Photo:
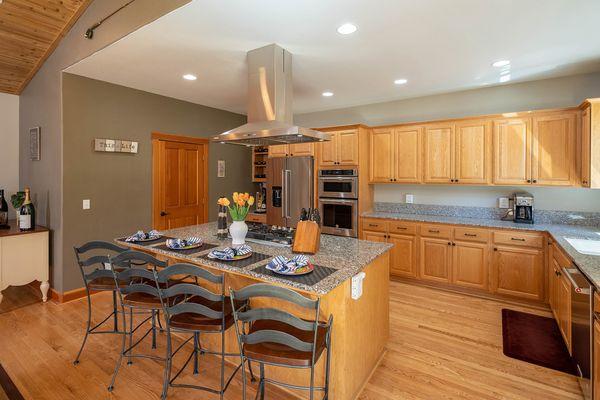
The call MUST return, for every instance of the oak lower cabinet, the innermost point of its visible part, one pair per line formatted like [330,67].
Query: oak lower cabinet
[435,259]
[596,360]
[559,295]
[374,236]
[518,271]
[470,265]
[403,255]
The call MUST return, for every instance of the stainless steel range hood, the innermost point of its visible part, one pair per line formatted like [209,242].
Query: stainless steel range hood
[270,96]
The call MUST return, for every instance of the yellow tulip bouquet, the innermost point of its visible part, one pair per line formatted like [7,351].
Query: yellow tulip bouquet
[239,208]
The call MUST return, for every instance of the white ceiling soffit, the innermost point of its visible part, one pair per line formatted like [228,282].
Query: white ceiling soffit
[438,45]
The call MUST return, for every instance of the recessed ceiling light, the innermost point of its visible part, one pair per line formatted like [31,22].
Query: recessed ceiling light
[327,94]
[400,81]
[190,77]
[500,63]
[347,29]
[505,78]
[505,72]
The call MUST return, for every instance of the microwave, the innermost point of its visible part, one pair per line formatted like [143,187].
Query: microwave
[338,183]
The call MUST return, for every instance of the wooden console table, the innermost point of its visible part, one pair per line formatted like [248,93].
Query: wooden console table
[24,258]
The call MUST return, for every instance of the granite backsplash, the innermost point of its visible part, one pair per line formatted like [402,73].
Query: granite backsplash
[540,216]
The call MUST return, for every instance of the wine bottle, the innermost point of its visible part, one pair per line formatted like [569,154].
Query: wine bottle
[27,214]
[3,209]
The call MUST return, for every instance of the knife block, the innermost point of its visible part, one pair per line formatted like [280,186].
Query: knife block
[308,237]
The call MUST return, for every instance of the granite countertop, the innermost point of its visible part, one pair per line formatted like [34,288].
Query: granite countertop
[348,256]
[588,264]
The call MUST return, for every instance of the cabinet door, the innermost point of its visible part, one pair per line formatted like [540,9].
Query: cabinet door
[596,361]
[328,154]
[435,259]
[518,272]
[553,144]
[438,144]
[553,282]
[403,255]
[586,153]
[407,150]
[472,149]
[564,303]
[512,151]
[347,143]
[301,149]
[470,265]
[279,150]
[373,236]
[381,163]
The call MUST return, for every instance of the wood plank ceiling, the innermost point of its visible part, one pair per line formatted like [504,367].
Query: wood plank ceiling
[30,30]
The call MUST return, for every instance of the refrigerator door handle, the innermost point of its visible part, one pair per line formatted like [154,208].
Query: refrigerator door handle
[283,196]
[287,183]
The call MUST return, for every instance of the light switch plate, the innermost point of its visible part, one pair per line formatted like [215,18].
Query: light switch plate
[503,202]
[86,204]
[410,198]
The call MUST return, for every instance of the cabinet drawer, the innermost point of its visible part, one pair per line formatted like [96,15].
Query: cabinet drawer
[518,239]
[261,218]
[377,225]
[472,234]
[437,231]
[560,257]
[404,228]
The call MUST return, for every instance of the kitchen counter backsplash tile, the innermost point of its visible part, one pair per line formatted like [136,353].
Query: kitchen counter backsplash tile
[540,216]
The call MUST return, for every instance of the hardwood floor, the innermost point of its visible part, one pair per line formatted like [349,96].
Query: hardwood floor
[442,346]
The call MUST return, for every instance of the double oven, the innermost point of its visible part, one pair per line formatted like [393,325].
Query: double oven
[338,201]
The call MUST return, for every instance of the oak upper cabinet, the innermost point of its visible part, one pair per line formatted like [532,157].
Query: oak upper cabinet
[473,160]
[435,258]
[279,150]
[518,271]
[470,264]
[301,149]
[438,151]
[553,149]
[590,144]
[512,151]
[407,152]
[342,149]
[382,155]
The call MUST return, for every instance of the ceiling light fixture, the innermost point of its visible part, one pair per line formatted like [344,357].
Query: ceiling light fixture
[500,63]
[504,78]
[505,72]
[346,29]
[190,77]
[327,94]
[400,81]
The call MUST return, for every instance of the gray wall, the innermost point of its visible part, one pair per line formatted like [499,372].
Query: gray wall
[9,149]
[120,185]
[548,93]
[40,105]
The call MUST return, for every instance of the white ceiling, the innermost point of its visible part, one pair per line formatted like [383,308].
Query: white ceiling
[438,45]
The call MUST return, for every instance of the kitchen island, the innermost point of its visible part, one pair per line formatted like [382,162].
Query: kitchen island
[360,327]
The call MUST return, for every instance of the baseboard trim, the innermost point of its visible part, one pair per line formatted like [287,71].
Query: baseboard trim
[69,295]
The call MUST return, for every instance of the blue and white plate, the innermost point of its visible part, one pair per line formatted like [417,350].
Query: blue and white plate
[231,253]
[141,236]
[184,244]
[298,265]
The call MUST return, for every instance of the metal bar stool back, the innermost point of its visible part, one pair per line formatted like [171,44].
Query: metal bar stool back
[98,278]
[138,293]
[192,308]
[279,338]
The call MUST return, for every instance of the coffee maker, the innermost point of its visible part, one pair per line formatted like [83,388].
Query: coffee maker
[523,208]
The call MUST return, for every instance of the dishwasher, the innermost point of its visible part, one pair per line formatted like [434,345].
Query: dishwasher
[582,295]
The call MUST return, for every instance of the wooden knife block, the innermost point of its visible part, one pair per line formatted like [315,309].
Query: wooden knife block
[308,237]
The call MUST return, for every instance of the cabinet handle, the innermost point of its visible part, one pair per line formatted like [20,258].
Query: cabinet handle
[471,234]
[535,181]
[453,244]
[374,225]
[401,228]
[432,231]
[391,180]
[456,180]
[449,243]
[517,239]
[528,180]
[495,249]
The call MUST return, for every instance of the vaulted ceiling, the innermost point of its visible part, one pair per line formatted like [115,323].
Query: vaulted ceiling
[29,31]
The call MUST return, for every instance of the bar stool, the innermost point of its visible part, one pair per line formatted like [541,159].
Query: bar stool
[279,338]
[98,278]
[136,287]
[199,310]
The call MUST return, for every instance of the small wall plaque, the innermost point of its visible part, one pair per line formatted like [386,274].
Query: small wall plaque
[34,143]
[221,169]
[115,146]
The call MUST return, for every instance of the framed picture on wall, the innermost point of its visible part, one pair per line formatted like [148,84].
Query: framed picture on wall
[34,143]
[221,169]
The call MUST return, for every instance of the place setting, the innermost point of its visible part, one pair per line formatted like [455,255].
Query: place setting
[145,238]
[298,269]
[238,256]
[187,246]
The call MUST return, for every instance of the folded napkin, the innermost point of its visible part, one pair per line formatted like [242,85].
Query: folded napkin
[183,243]
[228,253]
[284,265]
[141,235]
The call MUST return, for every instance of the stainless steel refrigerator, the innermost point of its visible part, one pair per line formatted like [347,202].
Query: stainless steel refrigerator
[290,188]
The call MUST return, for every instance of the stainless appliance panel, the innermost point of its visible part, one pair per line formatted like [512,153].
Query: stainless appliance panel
[275,200]
[299,187]
[581,327]
[339,216]
[338,187]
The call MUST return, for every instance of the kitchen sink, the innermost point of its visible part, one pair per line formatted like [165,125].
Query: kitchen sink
[585,246]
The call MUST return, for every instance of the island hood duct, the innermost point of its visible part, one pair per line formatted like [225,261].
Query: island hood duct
[270,97]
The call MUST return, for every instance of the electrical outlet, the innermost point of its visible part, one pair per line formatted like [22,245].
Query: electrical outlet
[86,204]
[410,198]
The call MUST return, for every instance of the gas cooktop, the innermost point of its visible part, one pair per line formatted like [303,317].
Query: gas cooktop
[270,235]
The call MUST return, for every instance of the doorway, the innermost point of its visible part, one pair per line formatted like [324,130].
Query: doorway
[179,181]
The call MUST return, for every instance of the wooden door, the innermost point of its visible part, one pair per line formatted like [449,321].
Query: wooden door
[301,149]
[407,150]
[564,303]
[347,152]
[586,152]
[328,151]
[180,186]
[435,259]
[438,145]
[512,151]
[518,272]
[470,265]
[279,150]
[381,163]
[374,236]
[473,152]
[553,161]
[403,261]
[596,361]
